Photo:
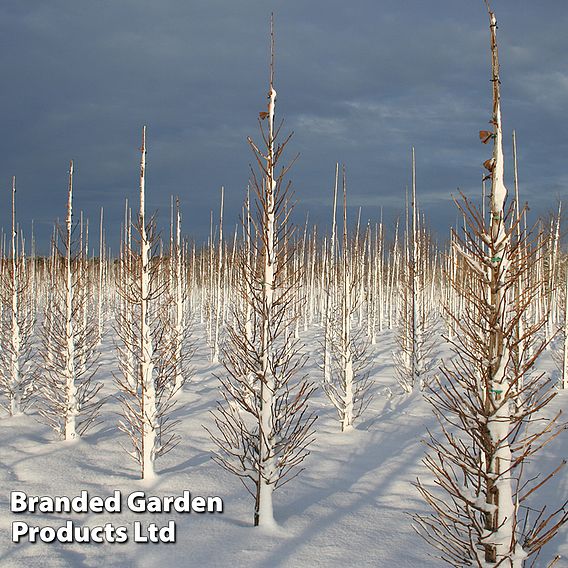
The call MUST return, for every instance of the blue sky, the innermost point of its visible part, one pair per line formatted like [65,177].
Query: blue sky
[358,82]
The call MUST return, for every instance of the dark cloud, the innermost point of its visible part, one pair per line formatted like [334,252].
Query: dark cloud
[358,82]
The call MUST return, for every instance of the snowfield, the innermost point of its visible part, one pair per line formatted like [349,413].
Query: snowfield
[350,507]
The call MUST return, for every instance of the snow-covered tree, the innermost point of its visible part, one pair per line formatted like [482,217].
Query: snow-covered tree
[263,423]
[146,354]
[69,396]
[348,384]
[328,285]
[483,503]
[181,346]
[416,332]
[564,381]
[102,270]
[17,319]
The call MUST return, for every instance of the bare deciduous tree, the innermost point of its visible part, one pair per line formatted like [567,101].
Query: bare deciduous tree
[69,397]
[488,401]
[263,424]
[17,320]
[348,385]
[415,333]
[147,357]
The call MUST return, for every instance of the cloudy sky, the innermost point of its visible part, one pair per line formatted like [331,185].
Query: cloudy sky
[358,82]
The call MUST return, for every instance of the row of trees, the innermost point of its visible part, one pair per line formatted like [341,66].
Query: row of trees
[496,294]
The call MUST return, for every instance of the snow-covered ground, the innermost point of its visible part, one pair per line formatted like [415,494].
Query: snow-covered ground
[350,507]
